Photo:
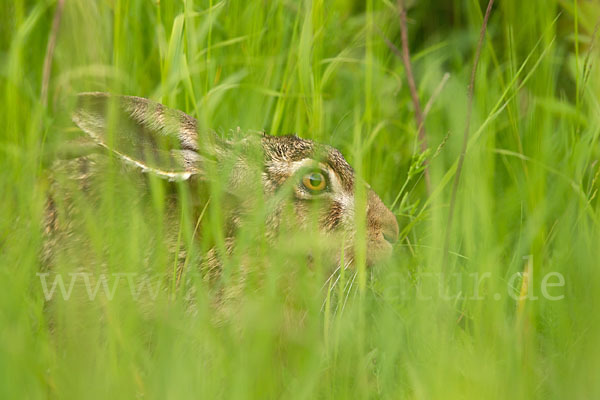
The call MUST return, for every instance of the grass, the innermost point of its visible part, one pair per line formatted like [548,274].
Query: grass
[526,203]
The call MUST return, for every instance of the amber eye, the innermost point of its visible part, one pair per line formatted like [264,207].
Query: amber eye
[314,181]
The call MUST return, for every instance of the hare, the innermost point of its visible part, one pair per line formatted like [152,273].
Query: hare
[289,172]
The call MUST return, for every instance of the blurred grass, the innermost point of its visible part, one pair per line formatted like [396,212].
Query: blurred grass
[321,69]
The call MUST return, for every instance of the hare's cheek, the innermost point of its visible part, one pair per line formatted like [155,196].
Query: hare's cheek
[331,217]
[338,215]
[301,211]
[346,202]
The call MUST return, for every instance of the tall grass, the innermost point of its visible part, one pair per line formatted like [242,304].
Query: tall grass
[526,205]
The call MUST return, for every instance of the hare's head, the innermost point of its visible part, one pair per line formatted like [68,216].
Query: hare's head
[301,181]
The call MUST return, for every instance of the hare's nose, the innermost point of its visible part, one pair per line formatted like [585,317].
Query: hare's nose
[389,228]
[382,219]
[390,231]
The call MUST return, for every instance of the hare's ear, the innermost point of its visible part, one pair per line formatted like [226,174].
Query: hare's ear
[143,133]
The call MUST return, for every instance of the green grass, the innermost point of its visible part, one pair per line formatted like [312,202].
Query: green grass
[527,197]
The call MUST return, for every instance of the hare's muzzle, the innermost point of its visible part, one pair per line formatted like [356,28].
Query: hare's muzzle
[390,229]
[382,228]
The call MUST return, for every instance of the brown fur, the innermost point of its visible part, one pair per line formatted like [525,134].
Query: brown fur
[167,143]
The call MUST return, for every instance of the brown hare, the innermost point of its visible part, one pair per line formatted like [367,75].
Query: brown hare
[299,175]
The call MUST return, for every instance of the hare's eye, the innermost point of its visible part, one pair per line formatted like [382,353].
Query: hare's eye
[315,182]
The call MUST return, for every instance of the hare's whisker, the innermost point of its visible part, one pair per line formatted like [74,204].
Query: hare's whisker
[348,292]
[330,289]
[331,276]
[346,289]
[336,281]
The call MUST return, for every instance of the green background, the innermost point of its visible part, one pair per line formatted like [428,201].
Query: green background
[527,198]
